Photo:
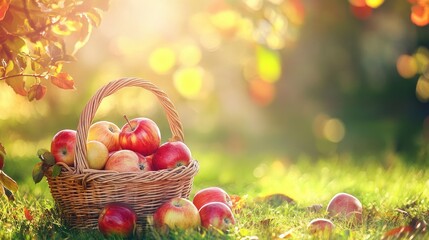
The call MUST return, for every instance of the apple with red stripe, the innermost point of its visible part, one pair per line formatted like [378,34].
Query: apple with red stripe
[62,146]
[140,135]
[117,220]
[211,194]
[176,213]
[171,155]
[216,215]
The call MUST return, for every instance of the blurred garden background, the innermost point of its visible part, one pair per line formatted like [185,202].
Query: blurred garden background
[281,78]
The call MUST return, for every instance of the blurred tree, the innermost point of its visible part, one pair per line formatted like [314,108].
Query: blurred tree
[38,36]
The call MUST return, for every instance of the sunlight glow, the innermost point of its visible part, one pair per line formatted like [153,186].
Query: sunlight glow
[190,55]
[269,64]
[189,81]
[374,3]
[162,59]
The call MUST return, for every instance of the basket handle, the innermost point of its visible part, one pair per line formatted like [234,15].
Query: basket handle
[91,107]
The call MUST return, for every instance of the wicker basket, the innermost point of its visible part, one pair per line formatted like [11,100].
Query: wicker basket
[80,193]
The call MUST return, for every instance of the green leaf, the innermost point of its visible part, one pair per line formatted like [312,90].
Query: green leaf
[38,172]
[8,182]
[56,170]
[46,157]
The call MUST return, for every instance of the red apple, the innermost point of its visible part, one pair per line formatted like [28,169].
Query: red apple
[145,163]
[123,161]
[140,135]
[176,213]
[320,226]
[62,146]
[117,219]
[345,206]
[97,154]
[216,215]
[106,133]
[171,155]
[211,194]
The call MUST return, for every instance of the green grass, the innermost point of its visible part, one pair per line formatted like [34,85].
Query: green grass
[393,194]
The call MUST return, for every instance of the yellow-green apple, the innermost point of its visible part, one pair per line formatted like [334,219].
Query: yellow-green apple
[62,146]
[123,161]
[345,206]
[117,219]
[171,155]
[107,133]
[176,213]
[97,154]
[216,215]
[140,135]
[320,226]
[211,194]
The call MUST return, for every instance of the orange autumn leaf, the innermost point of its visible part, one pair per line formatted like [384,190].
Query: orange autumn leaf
[4,6]
[28,214]
[398,232]
[63,80]
[18,85]
[36,92]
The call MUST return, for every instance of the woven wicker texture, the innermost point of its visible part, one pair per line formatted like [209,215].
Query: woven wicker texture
[80,193]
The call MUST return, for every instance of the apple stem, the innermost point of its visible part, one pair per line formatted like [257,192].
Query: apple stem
[128,121]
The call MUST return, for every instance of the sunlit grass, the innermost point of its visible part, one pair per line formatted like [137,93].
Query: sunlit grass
[392,193]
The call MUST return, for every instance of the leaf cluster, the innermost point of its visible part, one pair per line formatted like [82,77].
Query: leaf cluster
[38,36]
[41,168]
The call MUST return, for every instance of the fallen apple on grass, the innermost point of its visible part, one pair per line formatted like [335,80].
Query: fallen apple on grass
[107,133]
[62,146]
[117,219]
[345,206]
[320,226]
[176,213]
[97,154]
[123,161]
[140,135]
[216,215]
[171,155]
[211,194]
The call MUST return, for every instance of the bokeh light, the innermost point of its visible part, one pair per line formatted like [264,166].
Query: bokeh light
[189,81]
[269,64]
[422,89]
[406,66]
[162,60]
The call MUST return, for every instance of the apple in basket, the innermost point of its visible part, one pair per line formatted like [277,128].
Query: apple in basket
[128,161]
[176,213]
[97,154]
[211,194]
[62,146]
[171,155]
[107,133]
[140,135]
[216,215]
[117,219]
